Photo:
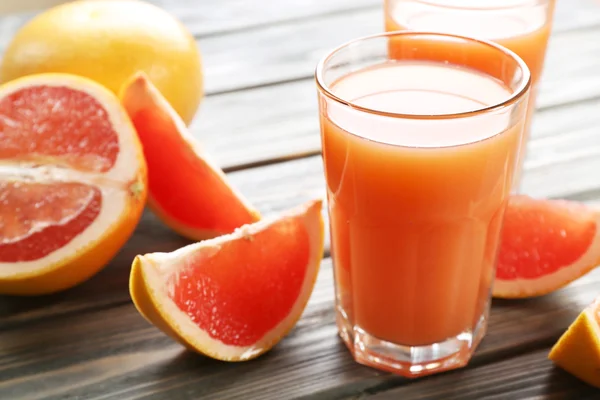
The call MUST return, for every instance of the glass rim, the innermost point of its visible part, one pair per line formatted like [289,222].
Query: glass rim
[472,6]
[517,94]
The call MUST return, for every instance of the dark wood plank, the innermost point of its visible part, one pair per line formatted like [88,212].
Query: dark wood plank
[205,18]
[114,353]
[271,123]
[280,122]
[576,15]
[107,288]
[108,351]
[273,189]
[291,51]
[282,52]
[527,377]
[561,82]
[564,163]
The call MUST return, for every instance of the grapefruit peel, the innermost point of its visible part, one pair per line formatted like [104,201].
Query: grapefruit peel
[151,298]
[573,226]
[578,349]
[122,187]
[187,190]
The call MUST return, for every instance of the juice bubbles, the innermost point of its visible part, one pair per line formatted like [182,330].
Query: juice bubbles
[419,166]
[522,26]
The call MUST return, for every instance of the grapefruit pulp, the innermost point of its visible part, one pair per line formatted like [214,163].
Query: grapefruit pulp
[186,190]
[545,245]
[578,349]
[234,297]
[72,181]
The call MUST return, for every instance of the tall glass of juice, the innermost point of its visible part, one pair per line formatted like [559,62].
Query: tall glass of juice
[523,26]
[419,152]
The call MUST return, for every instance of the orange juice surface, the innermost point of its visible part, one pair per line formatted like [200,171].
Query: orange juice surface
[524,30]
[416,205]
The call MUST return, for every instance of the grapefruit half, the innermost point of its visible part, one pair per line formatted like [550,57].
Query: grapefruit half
[234,297]
[578,349]
[186,189]
[546,244]
[72,181]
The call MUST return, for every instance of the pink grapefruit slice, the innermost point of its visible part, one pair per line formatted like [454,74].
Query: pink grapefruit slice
[234,297]
[546,244]
[186,189]
[72,181]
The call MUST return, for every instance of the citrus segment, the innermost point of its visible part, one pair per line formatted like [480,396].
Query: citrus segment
[578,349]
[187,191]
[49,216]
[75,130]
[545,245]
[228,313]
[234,297]
[72,181]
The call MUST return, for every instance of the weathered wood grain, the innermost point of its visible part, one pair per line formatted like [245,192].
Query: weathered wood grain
[564,160]
[108,288]
[527,377]
[204,18]
[279,122]
[90,343]
[571,56]
[267,129]
[289,51]
[114,353]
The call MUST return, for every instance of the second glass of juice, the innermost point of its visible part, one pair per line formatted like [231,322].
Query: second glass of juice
[522,26]
[419,154]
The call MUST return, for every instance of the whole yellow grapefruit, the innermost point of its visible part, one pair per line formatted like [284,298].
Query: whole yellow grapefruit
[108,41]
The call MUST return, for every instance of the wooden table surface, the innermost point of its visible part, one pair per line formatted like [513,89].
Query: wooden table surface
[259,120]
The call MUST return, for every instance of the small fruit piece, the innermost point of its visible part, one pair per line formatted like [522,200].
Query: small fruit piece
[546,244]
[578,349]
[187,191]
[72,181]
[234,297]
[108,41]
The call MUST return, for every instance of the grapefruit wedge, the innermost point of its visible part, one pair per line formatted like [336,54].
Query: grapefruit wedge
[72,181]
[234,297]
[578,349]
[546,244]
[186,190]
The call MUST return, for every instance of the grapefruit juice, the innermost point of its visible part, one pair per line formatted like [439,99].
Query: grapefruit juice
[522,26]
[417,182]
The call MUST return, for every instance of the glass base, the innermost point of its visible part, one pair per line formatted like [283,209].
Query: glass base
[410,361]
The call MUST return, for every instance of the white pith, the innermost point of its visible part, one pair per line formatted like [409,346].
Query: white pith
[522,287]
[114,184]
[157,267]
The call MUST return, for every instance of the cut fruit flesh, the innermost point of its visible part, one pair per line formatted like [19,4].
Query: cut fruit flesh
[72,181]
[545,245]
[186,190]
[74,131]
[578,349]
[234,297]
[50,215]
